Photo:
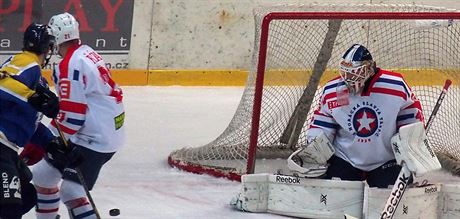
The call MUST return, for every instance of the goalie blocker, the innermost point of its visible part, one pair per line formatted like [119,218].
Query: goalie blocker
[412,148]
[414,153]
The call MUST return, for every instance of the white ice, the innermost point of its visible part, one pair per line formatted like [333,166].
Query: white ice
[138,179]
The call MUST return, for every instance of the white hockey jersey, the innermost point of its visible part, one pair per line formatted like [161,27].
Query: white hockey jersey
[91,108]
[361,126]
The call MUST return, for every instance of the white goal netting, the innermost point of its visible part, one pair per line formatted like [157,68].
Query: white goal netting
[426,51]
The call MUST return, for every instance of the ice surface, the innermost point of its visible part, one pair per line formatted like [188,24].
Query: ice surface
[138,179]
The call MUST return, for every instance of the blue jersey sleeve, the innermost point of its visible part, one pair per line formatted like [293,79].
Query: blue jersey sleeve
[42,136]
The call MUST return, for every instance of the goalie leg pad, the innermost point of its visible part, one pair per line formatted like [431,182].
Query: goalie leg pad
[420,202]
[411,146]
[301,197]
[449,201]
[253,195]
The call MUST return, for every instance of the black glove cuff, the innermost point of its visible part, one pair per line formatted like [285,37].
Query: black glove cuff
[45,101]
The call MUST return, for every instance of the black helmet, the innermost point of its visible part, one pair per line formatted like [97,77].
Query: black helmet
[37,39]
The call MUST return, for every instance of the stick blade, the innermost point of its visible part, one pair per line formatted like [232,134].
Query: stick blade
[347,216]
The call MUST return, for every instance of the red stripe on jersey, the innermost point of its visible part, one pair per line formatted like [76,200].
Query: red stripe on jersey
[317,112]
[338,77]
[329,96]
[389,92]
[106,76]
[64,129]
[72,107]
[53,123]
[64,65]
[415,105]
[396,74]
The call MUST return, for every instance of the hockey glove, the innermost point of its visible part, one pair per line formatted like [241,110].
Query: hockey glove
[311,160]
[31,154]
[45,101]
[63,156]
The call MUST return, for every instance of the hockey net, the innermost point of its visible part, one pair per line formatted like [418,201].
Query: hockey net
[298,48]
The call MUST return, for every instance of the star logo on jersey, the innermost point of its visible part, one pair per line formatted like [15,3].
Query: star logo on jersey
[364,121]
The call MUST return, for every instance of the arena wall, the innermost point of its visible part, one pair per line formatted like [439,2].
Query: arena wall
[202,42]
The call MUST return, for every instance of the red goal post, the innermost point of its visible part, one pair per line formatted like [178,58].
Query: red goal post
[297,50]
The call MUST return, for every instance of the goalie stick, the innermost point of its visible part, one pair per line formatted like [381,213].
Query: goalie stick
[79,175]
[405,175]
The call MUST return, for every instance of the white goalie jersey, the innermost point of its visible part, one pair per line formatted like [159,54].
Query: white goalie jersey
[361,127]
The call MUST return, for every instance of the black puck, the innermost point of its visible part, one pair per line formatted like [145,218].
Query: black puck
[114,212]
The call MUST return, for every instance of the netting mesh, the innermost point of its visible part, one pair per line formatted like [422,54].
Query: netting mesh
[424,51]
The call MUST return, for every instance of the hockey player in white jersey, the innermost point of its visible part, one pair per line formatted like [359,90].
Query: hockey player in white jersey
[91,117]
[359,112]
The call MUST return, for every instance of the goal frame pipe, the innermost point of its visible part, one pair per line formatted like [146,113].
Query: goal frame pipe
[256,109]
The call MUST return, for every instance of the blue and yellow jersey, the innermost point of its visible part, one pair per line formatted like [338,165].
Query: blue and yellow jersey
[19,121]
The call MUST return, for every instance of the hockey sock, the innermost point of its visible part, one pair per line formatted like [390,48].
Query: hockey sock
[47,202]
[80,208]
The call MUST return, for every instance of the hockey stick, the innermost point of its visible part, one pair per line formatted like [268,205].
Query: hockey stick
[405,175]
[438,104]
[79,174]
[292,131]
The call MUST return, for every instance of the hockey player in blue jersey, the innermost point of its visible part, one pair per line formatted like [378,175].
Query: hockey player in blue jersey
[24,98]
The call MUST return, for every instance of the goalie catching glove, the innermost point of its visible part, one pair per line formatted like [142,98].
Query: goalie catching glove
[314,155]
[412,148]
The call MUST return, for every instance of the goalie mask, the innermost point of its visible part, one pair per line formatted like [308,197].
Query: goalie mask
[356,67]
